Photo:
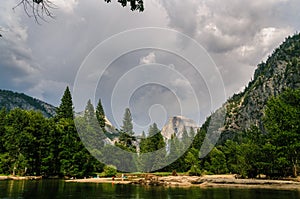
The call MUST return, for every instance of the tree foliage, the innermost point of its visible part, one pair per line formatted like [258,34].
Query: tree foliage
[34,145]
[282,121]
[31,144]
[134,4]
[65,109]
[153,149]
[127,123]
[41,9]
[100,115]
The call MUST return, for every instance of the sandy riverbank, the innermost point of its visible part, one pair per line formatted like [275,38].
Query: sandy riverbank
[101,180]
[20,177]
[203,181]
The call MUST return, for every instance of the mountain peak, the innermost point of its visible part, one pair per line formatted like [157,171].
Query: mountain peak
[176,125]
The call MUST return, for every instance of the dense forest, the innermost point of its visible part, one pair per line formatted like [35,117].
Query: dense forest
[32,144]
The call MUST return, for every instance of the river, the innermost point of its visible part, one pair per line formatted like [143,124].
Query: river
[59,189]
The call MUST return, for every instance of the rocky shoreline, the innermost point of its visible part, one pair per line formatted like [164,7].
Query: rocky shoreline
[203,181]
[20,178]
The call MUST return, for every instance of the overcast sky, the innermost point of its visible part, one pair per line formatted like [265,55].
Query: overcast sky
[233,37]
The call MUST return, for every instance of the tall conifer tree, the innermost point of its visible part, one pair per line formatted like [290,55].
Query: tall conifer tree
[100,115]
[65,109]
[89,112]
[127,122]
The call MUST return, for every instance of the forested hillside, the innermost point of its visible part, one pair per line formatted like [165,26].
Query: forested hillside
[261,130]
[280,72]
[11,100]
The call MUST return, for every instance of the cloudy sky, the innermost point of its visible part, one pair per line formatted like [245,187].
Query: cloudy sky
[199,53]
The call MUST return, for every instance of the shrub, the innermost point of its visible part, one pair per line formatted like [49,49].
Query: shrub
[109,171]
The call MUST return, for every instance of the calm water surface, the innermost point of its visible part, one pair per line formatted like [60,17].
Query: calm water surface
[60,189]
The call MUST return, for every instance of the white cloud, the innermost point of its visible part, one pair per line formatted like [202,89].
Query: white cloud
[262,44]
[150,58]
[67,6]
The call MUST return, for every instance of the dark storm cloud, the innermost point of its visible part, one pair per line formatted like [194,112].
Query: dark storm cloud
[43,60]
[237,34]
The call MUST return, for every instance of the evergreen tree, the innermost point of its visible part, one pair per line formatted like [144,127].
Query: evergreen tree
[37,148]
[127,123]
[51,162]
[2,128]
[200,135]
[185,140]
[283,125]
[192,160]
[74,158]
[34,145]
[192,133]
[126,142]
[154,140]
[16,142]
[89,128]
[153,143]
[89,112]
[217,161]
[173,152]
[100,115]
[65,109]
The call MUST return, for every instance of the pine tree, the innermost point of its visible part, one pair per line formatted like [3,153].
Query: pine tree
[218,161]
[282,124]
[173,154]
[90,129]
[127,123]
[192,133]
[2,127]
[153,143]
[89,112]
[185,140]
[100,115]
[154,140]
[65,109]
[126,138]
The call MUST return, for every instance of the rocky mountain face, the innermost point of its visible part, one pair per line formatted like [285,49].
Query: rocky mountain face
[11,100]
[279,72]
[176,125]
